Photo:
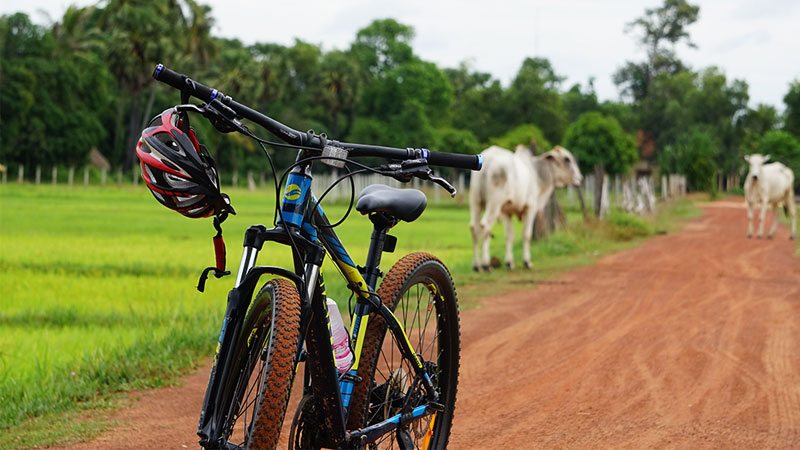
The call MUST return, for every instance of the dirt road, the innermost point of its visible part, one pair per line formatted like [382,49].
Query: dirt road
[691,340]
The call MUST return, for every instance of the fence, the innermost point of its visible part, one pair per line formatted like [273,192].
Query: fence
[627,193]
[90,176]
[632,194]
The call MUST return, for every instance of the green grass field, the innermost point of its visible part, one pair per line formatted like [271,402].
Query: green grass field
[98,290]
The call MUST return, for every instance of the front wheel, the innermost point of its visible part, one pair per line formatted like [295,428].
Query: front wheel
[266,358]
[420,292]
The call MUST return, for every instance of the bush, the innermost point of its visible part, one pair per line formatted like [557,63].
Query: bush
[625,227]
[598,140]
[457,141]
[693,155]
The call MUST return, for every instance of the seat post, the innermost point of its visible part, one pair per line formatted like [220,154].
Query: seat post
[382,223]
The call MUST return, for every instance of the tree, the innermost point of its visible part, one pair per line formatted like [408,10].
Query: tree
[533,97]
[528,135]
[600,145]
[791,121]
[44,122]
[717,105]
[341,87]
[577,101]
[383,45]
[661,30]
[408,97]
[457,141]
[756,122]
[782,147]
[694,155]
[478,103]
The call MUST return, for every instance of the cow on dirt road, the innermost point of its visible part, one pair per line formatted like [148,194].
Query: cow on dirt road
[769,185]
[515,184]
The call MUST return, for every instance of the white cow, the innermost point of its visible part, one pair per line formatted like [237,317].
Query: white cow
[515,184]
[769,185]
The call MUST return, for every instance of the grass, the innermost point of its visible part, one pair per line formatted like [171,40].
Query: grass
[98,290]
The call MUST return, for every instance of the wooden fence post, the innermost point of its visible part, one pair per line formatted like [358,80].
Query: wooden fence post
[251,182]
[38,174]
[604,197]
[20,174]
[235,179]
[119,176]
[70,175]
[86,176]
[103,176]
[55,175]
[135,177]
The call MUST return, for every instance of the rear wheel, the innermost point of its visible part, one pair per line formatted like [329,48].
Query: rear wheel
[419,290]
[267,359]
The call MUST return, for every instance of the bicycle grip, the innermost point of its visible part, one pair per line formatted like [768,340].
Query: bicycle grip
[456,160]
[183,83]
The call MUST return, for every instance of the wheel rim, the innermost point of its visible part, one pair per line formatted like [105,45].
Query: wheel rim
[420,314]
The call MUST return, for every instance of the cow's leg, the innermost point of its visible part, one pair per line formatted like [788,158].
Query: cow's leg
[489,218]
[775,217]
[761,218]
[527,235]
[750,207]
[509,226]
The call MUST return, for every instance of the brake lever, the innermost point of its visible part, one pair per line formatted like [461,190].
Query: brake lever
[406,170]
[220,115]
[443,183]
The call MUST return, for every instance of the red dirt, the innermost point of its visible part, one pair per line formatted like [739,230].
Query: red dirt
[688,341]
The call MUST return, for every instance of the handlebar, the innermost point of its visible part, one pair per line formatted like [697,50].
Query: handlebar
[294,137]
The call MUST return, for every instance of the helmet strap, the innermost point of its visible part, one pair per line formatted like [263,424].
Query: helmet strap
[219,254]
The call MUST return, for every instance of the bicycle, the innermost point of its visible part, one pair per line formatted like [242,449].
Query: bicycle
[395,393]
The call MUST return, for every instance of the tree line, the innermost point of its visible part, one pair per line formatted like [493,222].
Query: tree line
[84,81]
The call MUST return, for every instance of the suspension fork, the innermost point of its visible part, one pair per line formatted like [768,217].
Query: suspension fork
[210,428]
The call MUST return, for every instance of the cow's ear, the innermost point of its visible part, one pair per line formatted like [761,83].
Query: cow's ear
[747,158]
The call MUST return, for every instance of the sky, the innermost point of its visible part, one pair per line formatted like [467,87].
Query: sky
[754,40]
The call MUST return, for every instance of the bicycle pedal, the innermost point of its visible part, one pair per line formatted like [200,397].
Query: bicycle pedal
[404,440]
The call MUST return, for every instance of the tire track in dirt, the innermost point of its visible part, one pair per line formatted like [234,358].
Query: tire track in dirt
[688,341]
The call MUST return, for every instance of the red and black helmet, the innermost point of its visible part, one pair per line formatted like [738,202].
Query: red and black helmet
[178,170]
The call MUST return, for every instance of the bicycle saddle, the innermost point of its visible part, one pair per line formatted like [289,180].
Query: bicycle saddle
[403,204]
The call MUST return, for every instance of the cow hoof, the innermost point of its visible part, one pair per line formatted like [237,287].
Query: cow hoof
[791,238]
[527,265]
[476,269]
[487,268]
[769,237]
[509,266]
[759,236]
